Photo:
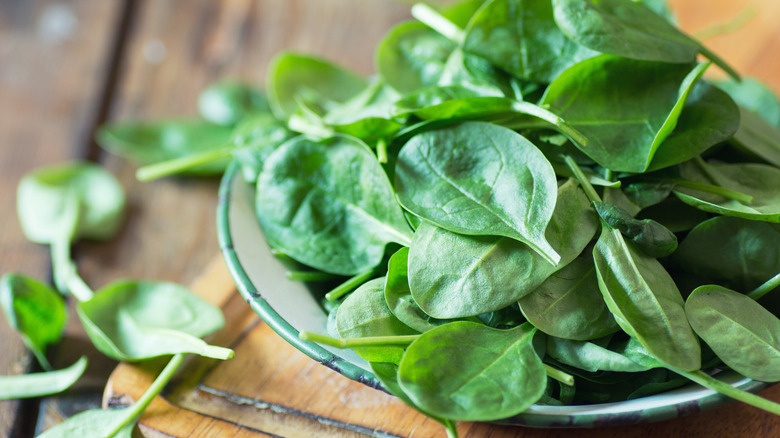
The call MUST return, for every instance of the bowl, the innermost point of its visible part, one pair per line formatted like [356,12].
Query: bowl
[289,307]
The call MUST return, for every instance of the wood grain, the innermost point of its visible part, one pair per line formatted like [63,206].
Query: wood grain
[53,57]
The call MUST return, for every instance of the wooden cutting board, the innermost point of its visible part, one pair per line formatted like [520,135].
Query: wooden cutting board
[271,389]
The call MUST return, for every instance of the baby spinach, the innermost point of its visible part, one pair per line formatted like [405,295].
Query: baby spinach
[649,236]
[365,314]
[40,384]
[35,310]
[227,102]
[453,275]
[326,205]
[521,37]
[134,321]
[509,189]
[628,29]
[497,374]
[743,334]
[569,305]
[755,96]
[590,356]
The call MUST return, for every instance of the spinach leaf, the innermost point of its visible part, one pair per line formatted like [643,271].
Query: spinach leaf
[399,297]
[598,98]
[497,374]
[294,79]
[329,205]
[520,36]
[254,139]
[40,384]
[227,102]
[35,310]
[738,253]
[364,313]
[754,96]
[453,275]
[367,115]
[649,236]
[628,29]
[757,181]
[758,136]
[134,321]
[569,305]
[645,301]
[477,74]
[70,201]
[412,56]
[743,334]
[159,141]
[479,179]
[589,356]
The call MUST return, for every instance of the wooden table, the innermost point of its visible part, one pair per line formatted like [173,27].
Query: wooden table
[66,67]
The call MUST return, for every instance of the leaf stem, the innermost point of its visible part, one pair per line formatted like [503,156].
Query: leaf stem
[309,276]
[765,288]
[565,378]
[715,190]
[719,62]
[582,178]
[357,342]
[347,286]
[714,384]
[178,165]
[436,21]
[550,117]
[381,150]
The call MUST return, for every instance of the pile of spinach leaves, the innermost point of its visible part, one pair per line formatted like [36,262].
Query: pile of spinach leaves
[532,201]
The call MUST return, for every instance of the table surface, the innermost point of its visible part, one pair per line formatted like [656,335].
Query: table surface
[67,67]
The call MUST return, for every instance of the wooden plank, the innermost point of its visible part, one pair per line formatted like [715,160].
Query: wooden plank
[52,61]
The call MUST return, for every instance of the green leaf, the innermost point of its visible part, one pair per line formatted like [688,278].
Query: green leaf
[226,102]
[467,371]
[158,141]
[598,98]
[649,236]
[329,205]
[253,141]
[645,301]
[133,321]
[589,356]
[754,96]
[294,79]
[520,36]
[743,334]
[453,275]
[41,384]
[758,136]
[35,310]
[737,253]
[758,181]
[367,115]
[628,29]
[479,179]
[365,314]
[569,305]
[44,195]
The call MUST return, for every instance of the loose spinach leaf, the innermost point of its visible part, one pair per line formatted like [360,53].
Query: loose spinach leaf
[35,310]
[364,313]
[645,301]
[480,179]
[329,205]
[738,253]
[227,102]
[569,305]
[758,181]
[47,197]
[497,374]
[649,236]
[743,334]
[40,384]
[453,275]
[521,37]
[134,321]
[159,141]
[628,29]
[294,79]
[588,94]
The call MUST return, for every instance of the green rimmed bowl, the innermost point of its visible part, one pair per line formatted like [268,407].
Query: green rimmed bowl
[289,307]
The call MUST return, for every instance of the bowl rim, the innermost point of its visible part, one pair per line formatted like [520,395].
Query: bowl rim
[571,416]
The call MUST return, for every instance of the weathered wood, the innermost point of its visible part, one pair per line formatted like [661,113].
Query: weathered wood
[52,61]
